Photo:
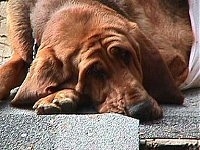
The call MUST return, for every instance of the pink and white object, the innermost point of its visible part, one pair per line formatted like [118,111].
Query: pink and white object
[193,79]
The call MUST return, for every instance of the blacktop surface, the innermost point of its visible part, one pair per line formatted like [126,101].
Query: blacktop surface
[178,121]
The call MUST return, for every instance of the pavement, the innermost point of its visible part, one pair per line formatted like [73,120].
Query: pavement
[23,129]
[179,129]
[178,121]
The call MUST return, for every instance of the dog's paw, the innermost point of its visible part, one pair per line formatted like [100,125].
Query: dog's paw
[66,100]
[45,107]
[58,103]
[66,104]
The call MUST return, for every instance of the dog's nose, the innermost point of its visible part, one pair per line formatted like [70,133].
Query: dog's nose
[145,111]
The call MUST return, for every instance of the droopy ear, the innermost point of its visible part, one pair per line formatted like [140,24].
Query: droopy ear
[157,79]
[46,74]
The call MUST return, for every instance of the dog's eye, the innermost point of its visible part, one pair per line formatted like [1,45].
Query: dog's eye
[122,54]
[97,71]
[126,57]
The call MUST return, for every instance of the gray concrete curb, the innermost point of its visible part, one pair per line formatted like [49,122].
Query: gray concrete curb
[68,132]
[170,144]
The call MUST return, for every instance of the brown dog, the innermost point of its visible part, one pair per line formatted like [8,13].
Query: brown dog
[125,56]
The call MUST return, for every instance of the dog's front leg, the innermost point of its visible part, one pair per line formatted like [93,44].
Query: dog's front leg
[12,75]
[13,72]
[64,101]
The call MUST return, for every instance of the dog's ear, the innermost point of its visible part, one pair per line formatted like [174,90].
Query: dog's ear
[157,79]
[46,74]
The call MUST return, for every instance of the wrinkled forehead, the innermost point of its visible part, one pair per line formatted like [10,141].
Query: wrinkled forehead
[85,33]
[76,24]
[99,48]
[94,43]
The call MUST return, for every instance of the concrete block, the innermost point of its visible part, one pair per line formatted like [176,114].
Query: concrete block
[68,132]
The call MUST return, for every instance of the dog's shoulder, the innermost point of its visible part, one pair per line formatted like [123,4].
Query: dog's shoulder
[41,13]
[124,7]
[43,10]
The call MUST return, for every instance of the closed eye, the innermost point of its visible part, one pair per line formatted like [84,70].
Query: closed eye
[122,54]
[125,57]
[97,71]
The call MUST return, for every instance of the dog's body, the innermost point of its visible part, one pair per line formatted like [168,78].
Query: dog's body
[125,55]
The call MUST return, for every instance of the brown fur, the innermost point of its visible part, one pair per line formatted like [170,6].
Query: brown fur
[126,56]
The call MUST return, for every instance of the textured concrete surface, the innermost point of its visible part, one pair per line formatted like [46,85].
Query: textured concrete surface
[78,132]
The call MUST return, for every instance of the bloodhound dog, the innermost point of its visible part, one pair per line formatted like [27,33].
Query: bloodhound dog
[123,56]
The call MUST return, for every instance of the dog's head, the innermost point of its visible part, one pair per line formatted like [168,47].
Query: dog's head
[104,56]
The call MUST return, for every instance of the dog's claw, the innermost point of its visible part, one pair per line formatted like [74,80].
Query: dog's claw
[35,105]
[47,109]
[60,104]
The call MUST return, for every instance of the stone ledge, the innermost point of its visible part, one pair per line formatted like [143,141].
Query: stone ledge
[77,132]
[169,144]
